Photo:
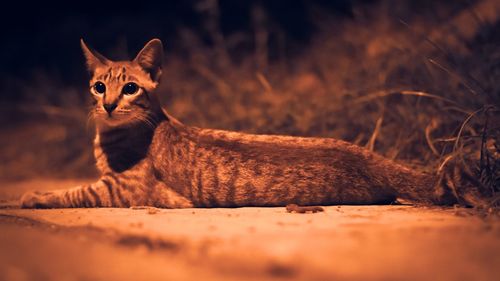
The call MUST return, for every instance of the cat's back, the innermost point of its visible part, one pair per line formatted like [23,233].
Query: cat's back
[281,146]
[275,149]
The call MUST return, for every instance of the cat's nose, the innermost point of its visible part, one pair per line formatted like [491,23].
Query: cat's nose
[109,107]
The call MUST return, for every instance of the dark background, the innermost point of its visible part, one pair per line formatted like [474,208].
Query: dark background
[296,67]
[46,36]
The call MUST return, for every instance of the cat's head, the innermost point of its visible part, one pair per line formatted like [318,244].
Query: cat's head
[124,90]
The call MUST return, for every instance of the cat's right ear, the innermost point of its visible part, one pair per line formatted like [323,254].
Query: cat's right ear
[94,59]
[150,58]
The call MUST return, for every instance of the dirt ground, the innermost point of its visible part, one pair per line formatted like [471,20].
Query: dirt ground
[342,243]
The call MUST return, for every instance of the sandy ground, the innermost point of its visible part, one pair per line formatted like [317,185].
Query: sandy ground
[342,243]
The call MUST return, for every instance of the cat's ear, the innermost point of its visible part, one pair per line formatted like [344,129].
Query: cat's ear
[94,59]
[150,58]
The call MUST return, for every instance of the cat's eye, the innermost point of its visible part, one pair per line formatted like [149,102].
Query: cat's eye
[130,89]
[100,88]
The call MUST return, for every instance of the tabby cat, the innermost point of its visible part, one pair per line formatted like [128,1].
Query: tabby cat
[148,158]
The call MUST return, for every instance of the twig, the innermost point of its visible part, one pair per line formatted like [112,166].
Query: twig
[380,94]
[453,139]
[265,83]
[371,143]
[446,160]
[427,39]
[428,131]
[453,74]
[483,142]
[455,146]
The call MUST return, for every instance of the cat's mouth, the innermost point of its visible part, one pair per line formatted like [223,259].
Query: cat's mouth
[122,118]
[113,119]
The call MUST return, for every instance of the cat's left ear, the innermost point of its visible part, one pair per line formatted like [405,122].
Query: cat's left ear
[93,58]
[150,58]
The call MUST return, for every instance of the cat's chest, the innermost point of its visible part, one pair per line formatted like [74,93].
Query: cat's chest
[118,154]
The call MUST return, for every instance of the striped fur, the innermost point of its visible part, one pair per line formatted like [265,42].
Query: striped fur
[146,157]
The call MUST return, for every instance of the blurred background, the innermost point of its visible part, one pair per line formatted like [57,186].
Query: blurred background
[416,81]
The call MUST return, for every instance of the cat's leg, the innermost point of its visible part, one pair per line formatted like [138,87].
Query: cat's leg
[165,197]
[109,191]
[98,194]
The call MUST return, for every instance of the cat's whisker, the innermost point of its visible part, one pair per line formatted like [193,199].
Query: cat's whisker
[123,111]
[153,120]
[147,120]
[90,118]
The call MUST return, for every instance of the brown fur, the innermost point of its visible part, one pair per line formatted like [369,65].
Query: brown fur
[147,158]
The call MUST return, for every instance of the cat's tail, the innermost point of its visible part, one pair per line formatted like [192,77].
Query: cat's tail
[453,184]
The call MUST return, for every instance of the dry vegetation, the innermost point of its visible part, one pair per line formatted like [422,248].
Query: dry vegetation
[414,85]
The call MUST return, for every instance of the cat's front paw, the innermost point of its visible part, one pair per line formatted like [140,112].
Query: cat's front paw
[36,199]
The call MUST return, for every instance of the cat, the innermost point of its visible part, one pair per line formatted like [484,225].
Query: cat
[148,158]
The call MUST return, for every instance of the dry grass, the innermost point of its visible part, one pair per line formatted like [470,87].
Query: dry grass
[395,87]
